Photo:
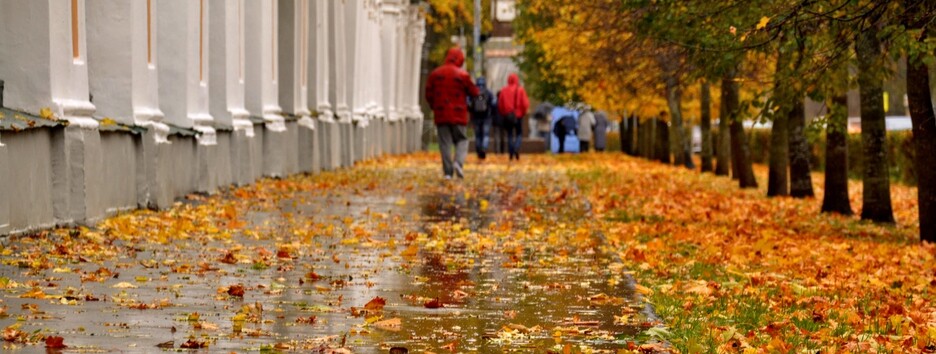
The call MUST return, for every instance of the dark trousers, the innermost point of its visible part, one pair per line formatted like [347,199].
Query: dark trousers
[514,133]
[583,146]
[561,139]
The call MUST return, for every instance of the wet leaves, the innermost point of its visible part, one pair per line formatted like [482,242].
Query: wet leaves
[493,264]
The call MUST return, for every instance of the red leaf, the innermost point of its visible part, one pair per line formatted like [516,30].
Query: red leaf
[376,304]
[193,344]
[433,304]
[236,290]
[53,342]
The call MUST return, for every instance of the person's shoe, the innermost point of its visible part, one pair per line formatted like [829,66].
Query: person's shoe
[448,177]
[482,155]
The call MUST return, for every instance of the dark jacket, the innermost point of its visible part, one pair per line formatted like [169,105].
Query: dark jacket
[487,95]
[513,98]
[565,126]
[448,89]
[601,130]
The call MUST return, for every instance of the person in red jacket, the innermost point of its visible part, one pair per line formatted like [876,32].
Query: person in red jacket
[447,90]
[512,104]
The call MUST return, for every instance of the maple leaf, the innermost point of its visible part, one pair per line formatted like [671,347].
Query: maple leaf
[376,304]
[236,290]
[53,342]
[228,258]
[433,304]
[193,344]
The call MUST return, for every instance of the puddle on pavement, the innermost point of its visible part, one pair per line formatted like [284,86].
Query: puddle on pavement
[505,295]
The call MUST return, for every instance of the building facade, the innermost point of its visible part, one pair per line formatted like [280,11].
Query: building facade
[109,105]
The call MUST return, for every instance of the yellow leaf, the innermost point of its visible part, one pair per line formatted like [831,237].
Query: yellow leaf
[643,290]
[107,121]
[45,113]
[763,22]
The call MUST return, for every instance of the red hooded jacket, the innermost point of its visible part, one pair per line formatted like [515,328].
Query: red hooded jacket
[448,88]
[513,98]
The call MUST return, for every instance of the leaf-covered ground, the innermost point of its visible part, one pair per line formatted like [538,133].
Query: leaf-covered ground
[552,254]
[734,271]
[362,260]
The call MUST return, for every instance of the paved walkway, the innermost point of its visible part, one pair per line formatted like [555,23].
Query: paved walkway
[362,260]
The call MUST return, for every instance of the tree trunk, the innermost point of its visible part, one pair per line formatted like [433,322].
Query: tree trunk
[625,132]
[663,142]
[673,101]
[723,152]
[634,124]
[739,145]
[923,119]
[800,178]
[777,181]
[706,127]
[835,198]
[876,200]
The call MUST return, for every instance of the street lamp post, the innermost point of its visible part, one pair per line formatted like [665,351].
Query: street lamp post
[477,38]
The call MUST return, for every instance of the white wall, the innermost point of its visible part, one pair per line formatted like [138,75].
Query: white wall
[26,52]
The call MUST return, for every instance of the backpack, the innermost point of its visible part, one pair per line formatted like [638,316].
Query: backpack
[479,103]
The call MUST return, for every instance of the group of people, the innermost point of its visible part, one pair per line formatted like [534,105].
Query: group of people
[453,96]
[592,127]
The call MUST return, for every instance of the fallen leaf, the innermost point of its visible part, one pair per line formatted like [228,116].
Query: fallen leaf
[54,342]
[376,304]
[433,304]
[393,324]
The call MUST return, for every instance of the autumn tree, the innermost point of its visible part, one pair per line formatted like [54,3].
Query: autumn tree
[876,200]
[918,19]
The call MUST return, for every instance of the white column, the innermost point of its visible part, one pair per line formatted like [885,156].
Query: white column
[390,51]
[262,66]
[122,63]
[357,42]
[227,77]
[319,63]
[69,56]
[418,31]
[374,59]
[339,56]
[44,57]
[183,66]
[294,33]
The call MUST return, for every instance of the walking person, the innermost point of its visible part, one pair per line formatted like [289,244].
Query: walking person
[447,90]
[482,111]
[499,134]
[512,104]
[586,124]
[543,116]
[564,126]
[601,131]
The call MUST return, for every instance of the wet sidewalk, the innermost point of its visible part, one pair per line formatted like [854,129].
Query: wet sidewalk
[385,255]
